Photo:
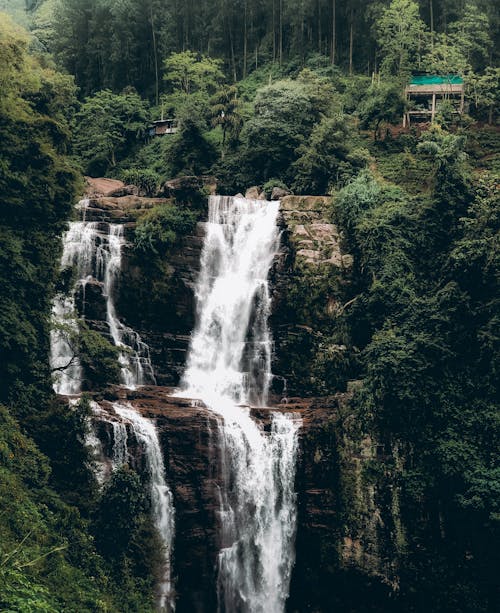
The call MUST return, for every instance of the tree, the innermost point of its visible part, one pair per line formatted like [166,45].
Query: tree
[190,153]
[107,126]
[189,72]
[38,184]
[381,104]
[285,113]
[471,34]
[445,57]
[400,36]
[225,113]
[485,90]
[323,157]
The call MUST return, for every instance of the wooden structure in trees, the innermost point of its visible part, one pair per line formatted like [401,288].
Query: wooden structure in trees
[426,93]
[162,127]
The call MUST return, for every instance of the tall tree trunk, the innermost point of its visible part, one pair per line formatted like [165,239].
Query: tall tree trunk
[319,25]
[155,55]
[302,31]
[274,30]
[281,32]
[233,58]
[351,41]
[431,17]
[245,40]
[334,30]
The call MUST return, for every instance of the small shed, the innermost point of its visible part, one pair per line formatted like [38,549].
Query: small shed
[163,126]
[426,93]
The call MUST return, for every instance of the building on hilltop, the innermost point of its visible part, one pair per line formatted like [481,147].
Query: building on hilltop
[426,93]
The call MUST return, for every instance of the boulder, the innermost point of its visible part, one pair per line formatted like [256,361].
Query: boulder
[278,193]
[90,300]
[125,190]
[252,193]
[119,209]
[305,203]
[101,186]
[187,184]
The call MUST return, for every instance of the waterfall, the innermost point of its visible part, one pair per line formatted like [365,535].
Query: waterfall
[124,421]
[229,366]
[94,250]
[68,379]
[162,505]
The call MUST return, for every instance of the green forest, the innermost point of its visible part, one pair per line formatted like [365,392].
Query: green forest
[303,96]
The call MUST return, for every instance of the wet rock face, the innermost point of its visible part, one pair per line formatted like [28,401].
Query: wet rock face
[90,301]
[306,283]
[157,299]
[333,543]
[191,447]
[160,304]
[189,440]
[314,239]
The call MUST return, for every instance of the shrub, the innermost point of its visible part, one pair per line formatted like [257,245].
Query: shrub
[145,179]
[161,227]
[99,358]
[271,184]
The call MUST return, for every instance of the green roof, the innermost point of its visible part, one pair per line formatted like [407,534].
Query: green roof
[427,79]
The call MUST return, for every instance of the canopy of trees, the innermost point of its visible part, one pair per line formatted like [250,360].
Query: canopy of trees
[109,44]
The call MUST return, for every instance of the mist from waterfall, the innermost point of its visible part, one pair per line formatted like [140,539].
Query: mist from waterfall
[229,367]
[94,251]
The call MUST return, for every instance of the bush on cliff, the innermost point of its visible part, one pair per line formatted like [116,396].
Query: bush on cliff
[126,536]
[145,179]
[160,228]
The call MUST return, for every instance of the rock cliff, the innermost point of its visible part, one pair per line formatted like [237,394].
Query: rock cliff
[159,303]
[348,523]
[344,525]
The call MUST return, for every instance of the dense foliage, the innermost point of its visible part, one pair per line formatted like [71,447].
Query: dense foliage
[426,320]
[48,560]
[107,44]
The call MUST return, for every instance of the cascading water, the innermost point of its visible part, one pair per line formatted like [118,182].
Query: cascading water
[63,359]
[94,249]
[162,505]
[229,365]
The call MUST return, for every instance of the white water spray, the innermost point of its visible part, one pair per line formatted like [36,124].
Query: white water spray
[94,250]
[162,505]
[64,362]
[229,365]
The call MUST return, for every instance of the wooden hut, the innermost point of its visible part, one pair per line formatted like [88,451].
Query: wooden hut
[162,127]
[426,93]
